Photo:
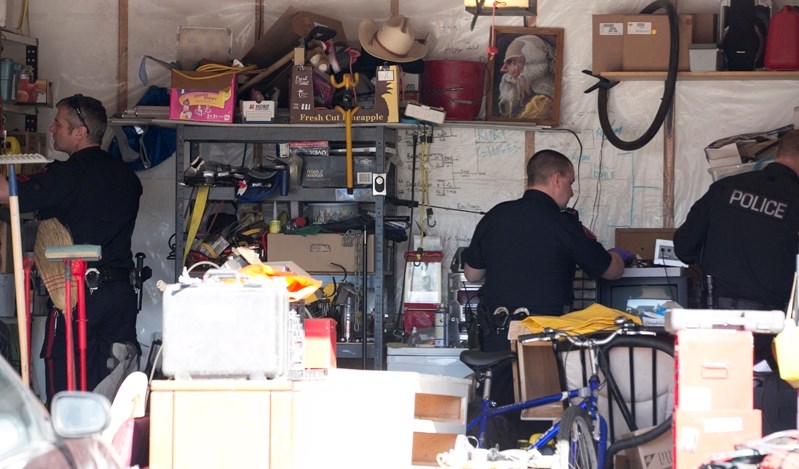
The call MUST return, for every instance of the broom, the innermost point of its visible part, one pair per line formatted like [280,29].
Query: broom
[52,233]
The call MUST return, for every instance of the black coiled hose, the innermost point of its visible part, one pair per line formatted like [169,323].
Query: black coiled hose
[668,89]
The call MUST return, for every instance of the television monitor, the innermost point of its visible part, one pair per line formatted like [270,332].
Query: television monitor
[643,294]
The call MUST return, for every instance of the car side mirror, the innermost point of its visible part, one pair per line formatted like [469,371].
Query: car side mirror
[77,414]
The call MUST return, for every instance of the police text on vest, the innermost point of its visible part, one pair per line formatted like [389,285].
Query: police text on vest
[758,203]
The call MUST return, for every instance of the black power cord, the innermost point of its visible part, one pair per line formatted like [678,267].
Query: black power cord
[604,85]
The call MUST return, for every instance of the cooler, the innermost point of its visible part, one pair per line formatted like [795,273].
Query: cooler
[220,329]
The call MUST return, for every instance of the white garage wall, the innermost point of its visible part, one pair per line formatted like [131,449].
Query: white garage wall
[479,167]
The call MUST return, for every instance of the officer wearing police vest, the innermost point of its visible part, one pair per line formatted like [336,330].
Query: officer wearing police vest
[744,234]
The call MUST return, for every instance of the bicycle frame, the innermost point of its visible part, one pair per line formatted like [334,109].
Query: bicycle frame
[589,394]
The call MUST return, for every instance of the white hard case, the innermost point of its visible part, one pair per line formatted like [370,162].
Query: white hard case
[218,329]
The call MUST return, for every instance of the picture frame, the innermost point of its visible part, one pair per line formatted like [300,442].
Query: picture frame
[524,76]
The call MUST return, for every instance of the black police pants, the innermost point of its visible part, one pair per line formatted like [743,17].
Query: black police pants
[110,317]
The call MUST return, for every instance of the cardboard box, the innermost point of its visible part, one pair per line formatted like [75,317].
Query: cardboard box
[385,109]
[714,370]
[608,43]
[202,96]
[641,241]
[656,454]
[705,28]
[331,171]
[285,34]
[538,374]
[317,253]
[253,111]
[636,42]
[646,42]
[697,435]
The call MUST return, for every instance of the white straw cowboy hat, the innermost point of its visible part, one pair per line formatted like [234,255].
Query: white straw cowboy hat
[393,41]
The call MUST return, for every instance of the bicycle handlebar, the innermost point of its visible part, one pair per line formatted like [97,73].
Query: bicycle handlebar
[626,327]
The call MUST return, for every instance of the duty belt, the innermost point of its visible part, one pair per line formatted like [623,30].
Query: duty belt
[501,316]
[95,277]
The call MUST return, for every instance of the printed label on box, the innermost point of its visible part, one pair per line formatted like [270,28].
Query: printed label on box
[611,29]
[639,27]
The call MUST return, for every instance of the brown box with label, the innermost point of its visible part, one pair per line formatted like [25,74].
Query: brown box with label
[637,42]
[302,109]
[318,253]
[647,40]
[608,41]
[655,454]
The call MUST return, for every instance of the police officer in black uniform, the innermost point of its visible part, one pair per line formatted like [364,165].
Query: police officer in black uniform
[526,251]
[97,198]
[744,234]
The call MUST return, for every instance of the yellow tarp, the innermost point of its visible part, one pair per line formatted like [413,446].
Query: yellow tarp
[594,318]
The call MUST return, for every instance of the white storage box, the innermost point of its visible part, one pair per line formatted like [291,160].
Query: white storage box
[720,172]
[218,329]
[438,361]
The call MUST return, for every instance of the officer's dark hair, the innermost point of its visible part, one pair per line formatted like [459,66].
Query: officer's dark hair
[544,163]
[88,112]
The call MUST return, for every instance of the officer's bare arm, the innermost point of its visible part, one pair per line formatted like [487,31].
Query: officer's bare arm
[473,275]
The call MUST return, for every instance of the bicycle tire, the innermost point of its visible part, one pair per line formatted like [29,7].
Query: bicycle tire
[657,430]
[668,86]
[575,447]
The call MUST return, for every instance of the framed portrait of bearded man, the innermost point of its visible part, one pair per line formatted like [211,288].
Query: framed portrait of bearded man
[524,76]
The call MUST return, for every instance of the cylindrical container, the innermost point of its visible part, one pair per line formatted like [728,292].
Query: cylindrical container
[441,325]
[284,182]
[454,85]
[347,321]
[6,78]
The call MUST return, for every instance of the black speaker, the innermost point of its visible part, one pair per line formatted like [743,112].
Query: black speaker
[744,37]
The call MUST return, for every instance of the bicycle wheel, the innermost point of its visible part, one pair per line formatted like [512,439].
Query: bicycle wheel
[575,447]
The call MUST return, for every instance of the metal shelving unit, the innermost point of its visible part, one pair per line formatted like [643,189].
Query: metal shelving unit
[190,137]
[29,56]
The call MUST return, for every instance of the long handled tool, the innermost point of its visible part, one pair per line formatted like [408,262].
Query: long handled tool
[348,110]
[19,276]
[74,258]
[16,248]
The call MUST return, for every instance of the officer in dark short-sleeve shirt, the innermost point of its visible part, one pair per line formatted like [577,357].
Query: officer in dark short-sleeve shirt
[744,233]
[96,197]
[526,252]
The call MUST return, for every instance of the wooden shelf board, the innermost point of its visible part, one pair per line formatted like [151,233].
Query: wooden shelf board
[753,75]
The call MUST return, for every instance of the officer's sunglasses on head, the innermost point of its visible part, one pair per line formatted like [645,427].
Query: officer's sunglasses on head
[74,103]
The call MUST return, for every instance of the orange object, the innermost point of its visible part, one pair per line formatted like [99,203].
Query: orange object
[298,286]
[714,370]
[697,435]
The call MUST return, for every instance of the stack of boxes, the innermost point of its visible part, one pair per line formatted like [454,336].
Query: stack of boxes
[713,408]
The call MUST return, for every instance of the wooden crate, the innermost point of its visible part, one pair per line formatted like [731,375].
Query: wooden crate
[537,374]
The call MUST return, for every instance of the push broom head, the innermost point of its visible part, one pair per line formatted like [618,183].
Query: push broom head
[52,233]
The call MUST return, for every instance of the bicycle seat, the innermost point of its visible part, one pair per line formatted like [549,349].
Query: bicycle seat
[478,360]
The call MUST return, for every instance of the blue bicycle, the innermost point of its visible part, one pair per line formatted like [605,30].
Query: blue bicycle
[581,434]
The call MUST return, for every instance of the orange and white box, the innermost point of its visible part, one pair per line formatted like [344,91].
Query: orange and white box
[699,435]
[713,370]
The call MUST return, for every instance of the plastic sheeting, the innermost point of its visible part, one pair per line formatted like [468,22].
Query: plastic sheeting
[471,168]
